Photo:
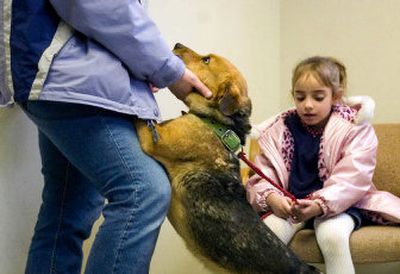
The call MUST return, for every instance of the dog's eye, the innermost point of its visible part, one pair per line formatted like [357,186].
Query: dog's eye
[206,60]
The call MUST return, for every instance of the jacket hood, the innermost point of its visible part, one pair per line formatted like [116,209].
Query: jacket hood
[364,105]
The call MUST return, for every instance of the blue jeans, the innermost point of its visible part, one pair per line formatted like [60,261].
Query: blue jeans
[89,155]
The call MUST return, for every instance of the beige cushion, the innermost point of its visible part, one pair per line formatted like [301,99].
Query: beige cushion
[387,174]
[370,244]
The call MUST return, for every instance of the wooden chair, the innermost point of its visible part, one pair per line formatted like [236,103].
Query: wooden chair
[369,244]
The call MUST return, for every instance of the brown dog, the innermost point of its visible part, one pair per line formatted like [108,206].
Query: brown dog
[209,208]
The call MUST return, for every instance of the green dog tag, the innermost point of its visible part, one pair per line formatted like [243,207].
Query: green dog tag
[227,136]
[231,140]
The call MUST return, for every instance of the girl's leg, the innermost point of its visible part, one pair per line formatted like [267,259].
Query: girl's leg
[333,236]
[282,228]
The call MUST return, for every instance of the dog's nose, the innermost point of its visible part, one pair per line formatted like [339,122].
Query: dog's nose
[179,46]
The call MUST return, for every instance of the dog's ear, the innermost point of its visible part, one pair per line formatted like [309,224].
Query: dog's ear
[229,103]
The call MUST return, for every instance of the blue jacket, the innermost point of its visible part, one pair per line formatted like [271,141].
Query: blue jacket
[101,53]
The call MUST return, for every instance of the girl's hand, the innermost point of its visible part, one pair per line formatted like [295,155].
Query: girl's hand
[305,209]
[280,205]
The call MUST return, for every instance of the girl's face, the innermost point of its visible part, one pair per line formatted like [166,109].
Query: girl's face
[313,100]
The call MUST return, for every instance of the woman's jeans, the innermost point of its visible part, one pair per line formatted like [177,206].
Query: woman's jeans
[89,155]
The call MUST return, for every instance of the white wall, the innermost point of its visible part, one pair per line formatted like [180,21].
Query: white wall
[364,34]
[20,184]
[245,32]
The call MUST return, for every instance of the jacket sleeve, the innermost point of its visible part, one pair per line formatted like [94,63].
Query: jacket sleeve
[258,188]
[351,177]
[124,28]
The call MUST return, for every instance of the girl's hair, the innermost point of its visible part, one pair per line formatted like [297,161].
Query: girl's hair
[327,70]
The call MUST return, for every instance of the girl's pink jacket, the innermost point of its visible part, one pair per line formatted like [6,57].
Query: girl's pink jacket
[347,161]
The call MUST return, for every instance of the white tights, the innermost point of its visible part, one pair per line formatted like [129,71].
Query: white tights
[332,235]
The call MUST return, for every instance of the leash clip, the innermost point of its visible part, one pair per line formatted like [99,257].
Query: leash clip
[154,133]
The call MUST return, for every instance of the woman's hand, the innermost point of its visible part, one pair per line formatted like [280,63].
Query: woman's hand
[280,205]
[305,209]
[187,83]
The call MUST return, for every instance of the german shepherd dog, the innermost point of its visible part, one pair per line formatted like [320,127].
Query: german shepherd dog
[209,209]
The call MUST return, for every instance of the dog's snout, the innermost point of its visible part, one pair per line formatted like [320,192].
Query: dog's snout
[178,46]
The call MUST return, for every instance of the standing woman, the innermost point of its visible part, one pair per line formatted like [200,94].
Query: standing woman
[83,71]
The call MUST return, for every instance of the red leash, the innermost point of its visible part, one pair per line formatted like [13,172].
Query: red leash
[243,157]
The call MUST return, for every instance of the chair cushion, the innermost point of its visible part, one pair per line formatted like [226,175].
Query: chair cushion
[369,244]
[387,175]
